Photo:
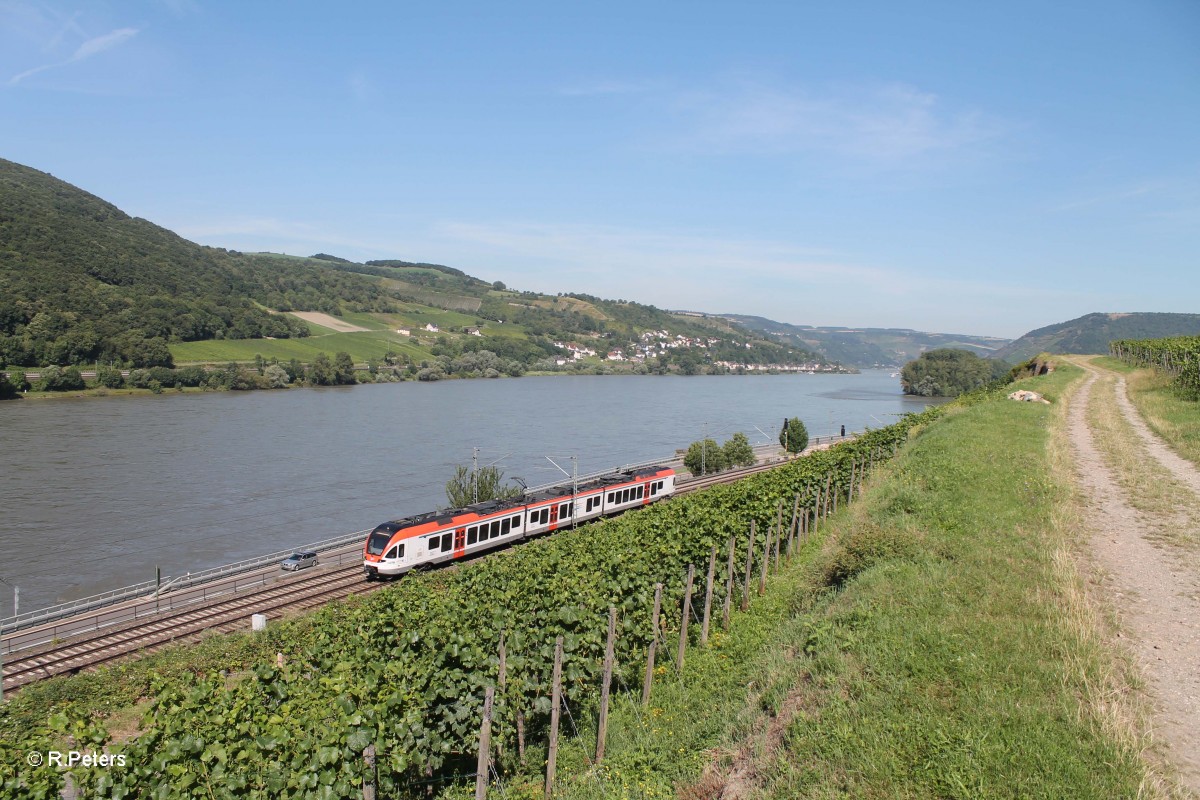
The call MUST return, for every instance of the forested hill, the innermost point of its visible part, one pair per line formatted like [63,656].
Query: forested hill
[82,281]
[867,347]
[1091,333]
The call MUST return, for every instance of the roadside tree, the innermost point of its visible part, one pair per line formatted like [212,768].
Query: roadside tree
[738,452]
[793,437]
[704,457]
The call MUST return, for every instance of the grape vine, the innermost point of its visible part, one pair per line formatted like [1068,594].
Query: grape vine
[1177,356]
[405,669]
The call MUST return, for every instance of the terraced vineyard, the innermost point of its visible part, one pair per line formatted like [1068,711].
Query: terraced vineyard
[405,670]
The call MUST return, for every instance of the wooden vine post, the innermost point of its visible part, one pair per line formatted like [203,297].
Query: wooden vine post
[609,646]
[749,561]
[502,682]
[369,773]
[687,611]
[792,528]
[728,587]
[708,595]
[555,708]
[483,764]
[649,681]
[778,531]
[766,560]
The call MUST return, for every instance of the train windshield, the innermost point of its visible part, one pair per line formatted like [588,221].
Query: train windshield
[378,540]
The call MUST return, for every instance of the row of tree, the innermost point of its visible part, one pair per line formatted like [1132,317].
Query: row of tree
[706,456]
[322,371]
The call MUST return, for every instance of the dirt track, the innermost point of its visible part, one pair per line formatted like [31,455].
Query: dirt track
[1153,585]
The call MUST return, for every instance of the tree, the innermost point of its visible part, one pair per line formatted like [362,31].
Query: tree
[486,483]
[7,389]
[320,371]
[343,369]
[793,437]
[704,457]
[738,452]
[947,372]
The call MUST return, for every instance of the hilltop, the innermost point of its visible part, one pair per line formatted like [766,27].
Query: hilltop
[867,347]
[1091,333]
[82,282]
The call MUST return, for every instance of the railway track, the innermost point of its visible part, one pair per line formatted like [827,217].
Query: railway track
[107,645]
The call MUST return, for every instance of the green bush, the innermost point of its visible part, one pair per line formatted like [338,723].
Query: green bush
[109,377]
[60,379]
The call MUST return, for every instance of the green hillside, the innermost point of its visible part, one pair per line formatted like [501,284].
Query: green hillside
[82,282]
[1091,333]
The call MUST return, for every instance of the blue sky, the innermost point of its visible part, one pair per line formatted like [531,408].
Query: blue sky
[982,168]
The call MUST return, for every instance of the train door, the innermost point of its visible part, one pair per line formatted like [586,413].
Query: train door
[460,542]
[646,493]
[553,518]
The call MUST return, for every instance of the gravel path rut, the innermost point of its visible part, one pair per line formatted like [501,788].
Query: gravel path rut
[1155,588]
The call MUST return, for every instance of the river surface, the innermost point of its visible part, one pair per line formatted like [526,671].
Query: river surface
[96,492]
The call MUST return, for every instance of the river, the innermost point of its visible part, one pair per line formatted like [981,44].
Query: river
[96,492]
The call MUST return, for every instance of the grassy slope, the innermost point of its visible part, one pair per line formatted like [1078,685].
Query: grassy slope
[953,656]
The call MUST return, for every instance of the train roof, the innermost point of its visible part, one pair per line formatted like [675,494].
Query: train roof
[611,479]
[488,507]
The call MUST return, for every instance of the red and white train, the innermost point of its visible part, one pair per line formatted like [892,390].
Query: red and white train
[438,537]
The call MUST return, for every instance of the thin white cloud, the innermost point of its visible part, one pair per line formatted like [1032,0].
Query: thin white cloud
[780,280]
[88,49]
[181,8]
[883,124]
[608,87]
[1110,197]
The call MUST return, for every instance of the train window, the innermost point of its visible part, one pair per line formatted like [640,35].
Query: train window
[401,553]
[472,535]
[434,542]
[641,492]
[393,553]
[495,528]
[516,522]
[653,489]
[624,495]
[378,540]
[447,540]
[545,518]
[612,497]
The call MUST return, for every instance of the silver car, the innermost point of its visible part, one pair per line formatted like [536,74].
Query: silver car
[299,560]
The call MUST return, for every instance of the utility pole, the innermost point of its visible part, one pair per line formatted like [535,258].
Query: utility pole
[704,451]
[474,474]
